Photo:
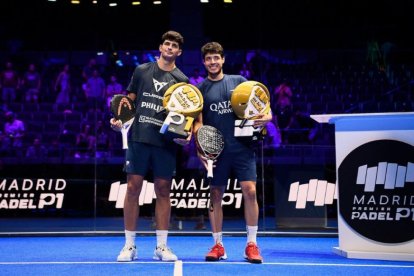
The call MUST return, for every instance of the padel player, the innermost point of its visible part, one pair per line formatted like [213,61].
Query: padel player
[237,157]
[148,149]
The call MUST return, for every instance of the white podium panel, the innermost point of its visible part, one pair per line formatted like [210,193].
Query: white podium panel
[375,177]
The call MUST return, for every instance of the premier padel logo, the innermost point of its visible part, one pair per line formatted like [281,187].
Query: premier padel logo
[32,193]
[192,194]
[118,191]
[389,175]
[320,192]
[376,189]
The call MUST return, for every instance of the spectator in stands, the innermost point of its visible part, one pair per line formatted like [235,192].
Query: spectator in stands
[103,142]
[273,138]
[36,150]
[67,141]
[9,83]
[63,86]
[85,143]
[31,82]
[245,71]
[113,88]
[282,108]
[302,129]
[13,134]
[54,149]
[282,96]
[95,91]
[87,71]
[259,66]
[196,77]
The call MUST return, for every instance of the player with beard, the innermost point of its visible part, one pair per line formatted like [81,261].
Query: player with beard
[147,147]
[237,156]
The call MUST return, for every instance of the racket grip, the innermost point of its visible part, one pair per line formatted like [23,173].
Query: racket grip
[243,122]
[124,133]
[209,168]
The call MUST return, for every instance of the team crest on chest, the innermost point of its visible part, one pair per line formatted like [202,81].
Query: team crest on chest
[158,85]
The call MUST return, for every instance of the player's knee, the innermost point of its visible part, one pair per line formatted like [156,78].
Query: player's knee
[249,193]
[163,194]
[216,195]
[162,191]
[133,190]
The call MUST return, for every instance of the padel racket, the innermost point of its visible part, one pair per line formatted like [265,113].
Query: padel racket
[210,143]
[183,98]
[123,109]
[250,99]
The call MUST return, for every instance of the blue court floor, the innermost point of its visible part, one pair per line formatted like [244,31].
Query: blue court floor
[96,255]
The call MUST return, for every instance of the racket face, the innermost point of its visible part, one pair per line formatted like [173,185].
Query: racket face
[210,141]
[249,99]
[258,103]
[122,107]
[183,98]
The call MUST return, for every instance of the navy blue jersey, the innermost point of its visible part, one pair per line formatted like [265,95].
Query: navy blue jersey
[217,109]
[149,83]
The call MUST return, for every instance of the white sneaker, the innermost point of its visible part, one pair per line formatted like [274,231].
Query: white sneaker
[163,253]
[127,254]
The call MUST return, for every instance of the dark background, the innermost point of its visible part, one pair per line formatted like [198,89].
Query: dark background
[43,25]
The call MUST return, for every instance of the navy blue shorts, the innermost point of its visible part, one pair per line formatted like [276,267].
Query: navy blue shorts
[141,157]
[241,164]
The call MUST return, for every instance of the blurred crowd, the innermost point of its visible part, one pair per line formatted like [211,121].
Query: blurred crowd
[64,112]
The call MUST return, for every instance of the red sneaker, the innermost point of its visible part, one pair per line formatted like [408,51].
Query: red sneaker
[252,253]
[216,253]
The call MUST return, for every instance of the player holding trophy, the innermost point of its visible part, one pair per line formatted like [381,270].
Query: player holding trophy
[238,156]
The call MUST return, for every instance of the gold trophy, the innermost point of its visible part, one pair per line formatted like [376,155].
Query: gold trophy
[248,100]
[183,102]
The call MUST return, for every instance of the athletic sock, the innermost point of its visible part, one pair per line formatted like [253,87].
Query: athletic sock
[218,237]
[161,237]
[251,233]
[130,238]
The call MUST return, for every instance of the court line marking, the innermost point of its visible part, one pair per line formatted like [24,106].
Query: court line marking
[211,263]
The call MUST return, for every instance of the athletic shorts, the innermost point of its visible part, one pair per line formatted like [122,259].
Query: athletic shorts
[141,157]
[241,165]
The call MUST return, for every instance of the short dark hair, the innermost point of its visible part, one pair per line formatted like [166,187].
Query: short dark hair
[212,48]
[173,36]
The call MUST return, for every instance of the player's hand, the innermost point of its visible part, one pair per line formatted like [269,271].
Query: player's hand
[262,120]
[116,124]
[183,142]
[204,159]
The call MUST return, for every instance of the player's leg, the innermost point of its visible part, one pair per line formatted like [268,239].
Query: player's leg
[131,213]
[163,203]
[163,161]
[131,206]
[251,207]
[136,165]
[245,170]
[215,212]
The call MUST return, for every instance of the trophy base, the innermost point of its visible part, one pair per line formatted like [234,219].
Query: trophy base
[176,125]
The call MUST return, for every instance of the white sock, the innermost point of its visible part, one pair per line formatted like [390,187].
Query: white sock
[130,238]
[251,233]
[161,237]
[218,237]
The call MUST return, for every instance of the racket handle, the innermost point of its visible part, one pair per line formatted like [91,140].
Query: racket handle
[124,133]
[209,168]
[243,122]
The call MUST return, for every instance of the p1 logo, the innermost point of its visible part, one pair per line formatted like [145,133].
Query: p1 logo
[376,191]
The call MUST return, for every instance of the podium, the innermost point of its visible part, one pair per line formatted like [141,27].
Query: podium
[375,184]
